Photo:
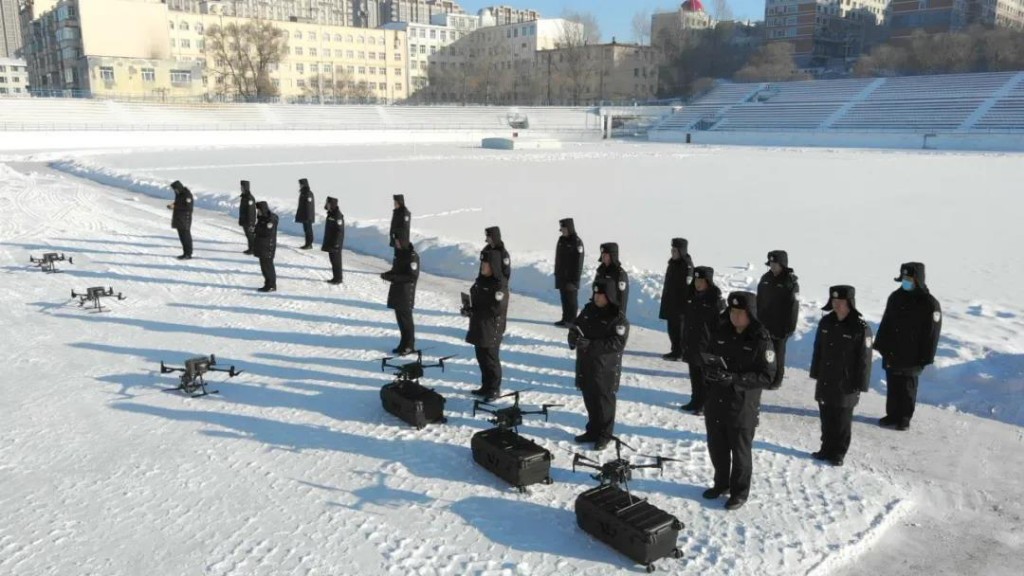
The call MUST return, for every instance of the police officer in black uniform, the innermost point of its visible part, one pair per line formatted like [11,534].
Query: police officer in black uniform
[676,291]
[247,215]
[403,276]
[734,396]
[611,269]
[486,298]
[305,213]
[265,245]
[703,311]
[401,221]
[908,337]
[181,217]
[494,243]
[778,306]
[599,337]
[334,238]
[841,366]
[568,270]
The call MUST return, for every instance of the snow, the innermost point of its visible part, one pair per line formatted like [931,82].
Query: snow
[294,468]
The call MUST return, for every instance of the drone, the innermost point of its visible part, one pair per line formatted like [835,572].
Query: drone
[617,472]
[511,417]
[94,295]
[192,381]
[411,371]
[48,261]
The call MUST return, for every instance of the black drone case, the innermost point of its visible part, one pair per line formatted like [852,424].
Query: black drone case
[511,457]
[413,403]
[631,525]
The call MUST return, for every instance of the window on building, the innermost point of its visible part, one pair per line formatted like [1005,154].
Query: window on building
[297,35]
[148,75]
[201,44]
[186,43]
[181,76]
[382,55]
[636,72]
[337,37]
[300,68]
[350,69]
[172,25]
[398,87]
[373,55]
[338,53]
[107,73]
[199,27]
[423,49]
[362,40]
[183,26]
[3,79]
[350,54]
[362,69]
[383,72]
[301,83]
[312,35]
[398,71]
[398,56]
[433,34]
[312,52]
[348,38]
[373,70]
[275,82]
[444,36]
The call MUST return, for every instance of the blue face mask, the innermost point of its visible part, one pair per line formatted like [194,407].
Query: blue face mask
[909,285]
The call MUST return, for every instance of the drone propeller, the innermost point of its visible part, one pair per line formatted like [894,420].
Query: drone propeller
[660,458]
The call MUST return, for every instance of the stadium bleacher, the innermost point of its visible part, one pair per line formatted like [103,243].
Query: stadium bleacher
[990,102]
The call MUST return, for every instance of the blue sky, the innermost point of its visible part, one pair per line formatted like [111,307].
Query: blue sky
[615,16]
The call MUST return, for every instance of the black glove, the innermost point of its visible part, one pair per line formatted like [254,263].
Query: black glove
[385,276]
[716,375]
[464,312]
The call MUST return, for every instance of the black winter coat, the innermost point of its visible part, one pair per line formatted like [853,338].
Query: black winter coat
[306,211]
[485,317]
[401,225]
[908,334]
[750,359]
[703,313]
[777,305]
[404,273]
[841,363]
[265,244]
[181,216]
[247,210]
[599,348]
[678,286]
[618,276]
[334,232]
[568,262]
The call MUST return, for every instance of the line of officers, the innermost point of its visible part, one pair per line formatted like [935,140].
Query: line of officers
[735,347]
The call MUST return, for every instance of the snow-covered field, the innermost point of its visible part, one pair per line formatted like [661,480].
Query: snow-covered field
[294,467]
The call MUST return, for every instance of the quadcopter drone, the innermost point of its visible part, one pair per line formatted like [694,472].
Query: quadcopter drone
[192,381]
[411,371]
[94,295]
[511,417]
[48,261]
[618,471]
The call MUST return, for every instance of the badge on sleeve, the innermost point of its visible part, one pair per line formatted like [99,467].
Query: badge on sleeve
[579,249]
[868,341]
[937,316]
[189,200]
[406,218]
[622,286]
[250,202]
[499,296]
[270,224]
[769,356]
[506,261]
[414,266]
[620,330]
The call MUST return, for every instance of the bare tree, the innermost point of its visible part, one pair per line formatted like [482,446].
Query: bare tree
[322,87]
[722,11]
[642,26]
[591,29]
[572,68]
[772,63]
[244,54]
